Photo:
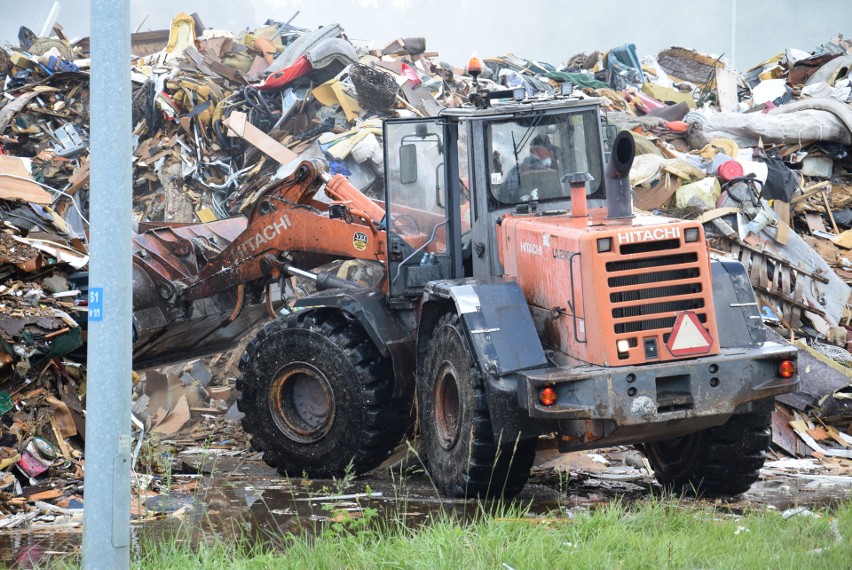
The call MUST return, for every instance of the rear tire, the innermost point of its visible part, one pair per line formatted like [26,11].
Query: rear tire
[462,456]
[316,395]
[719,461]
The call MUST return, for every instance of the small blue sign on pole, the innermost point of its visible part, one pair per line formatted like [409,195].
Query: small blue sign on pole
[96,304]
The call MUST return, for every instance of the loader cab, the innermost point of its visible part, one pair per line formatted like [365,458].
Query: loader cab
[450,179]
[508,174]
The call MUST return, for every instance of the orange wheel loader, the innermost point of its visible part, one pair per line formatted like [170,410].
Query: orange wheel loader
[520,295]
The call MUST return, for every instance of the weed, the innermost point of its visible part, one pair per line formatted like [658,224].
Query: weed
[344,483]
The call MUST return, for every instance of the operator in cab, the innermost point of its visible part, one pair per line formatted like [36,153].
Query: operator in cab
[542,157]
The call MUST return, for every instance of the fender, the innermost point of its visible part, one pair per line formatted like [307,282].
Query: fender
[738,317]
[390,331]
[497,321]
[502,335]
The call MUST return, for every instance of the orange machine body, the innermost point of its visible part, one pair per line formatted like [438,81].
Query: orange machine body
[586,296]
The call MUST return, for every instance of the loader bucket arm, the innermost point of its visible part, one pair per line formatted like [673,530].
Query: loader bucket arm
[287,219]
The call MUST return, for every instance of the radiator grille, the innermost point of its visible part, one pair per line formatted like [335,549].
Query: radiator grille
[655,277]
[654,293]
[652,286]
[646,262]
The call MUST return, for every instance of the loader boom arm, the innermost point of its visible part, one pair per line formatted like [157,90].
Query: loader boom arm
[287,219]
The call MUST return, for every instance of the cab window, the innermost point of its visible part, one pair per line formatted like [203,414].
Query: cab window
[529,157]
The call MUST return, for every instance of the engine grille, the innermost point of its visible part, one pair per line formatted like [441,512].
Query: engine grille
[647,290]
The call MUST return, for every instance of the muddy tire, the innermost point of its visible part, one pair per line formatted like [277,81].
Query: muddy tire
[316,395]
[462,456]
[719,461]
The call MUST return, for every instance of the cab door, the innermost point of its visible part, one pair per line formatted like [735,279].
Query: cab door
[422,204]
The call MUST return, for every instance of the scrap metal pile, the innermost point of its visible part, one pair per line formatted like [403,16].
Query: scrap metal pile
[760,157]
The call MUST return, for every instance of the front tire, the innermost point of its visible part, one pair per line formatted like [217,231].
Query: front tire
[316,395]
[462,456]
[719,461]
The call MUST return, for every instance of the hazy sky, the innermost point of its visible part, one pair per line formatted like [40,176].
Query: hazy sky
[549,30]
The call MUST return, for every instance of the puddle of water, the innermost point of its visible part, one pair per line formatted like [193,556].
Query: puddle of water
[31,549]
[247,499]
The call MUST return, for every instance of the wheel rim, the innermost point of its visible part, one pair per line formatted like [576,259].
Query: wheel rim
[447,406]
[302,403]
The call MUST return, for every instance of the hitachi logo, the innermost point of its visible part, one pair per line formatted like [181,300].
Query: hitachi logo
[265,235]
[654,234]
[532,248]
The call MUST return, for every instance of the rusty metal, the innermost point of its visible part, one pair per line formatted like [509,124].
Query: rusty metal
[241,294]
[447,406]
[270,308]
[302,402]
[199,287]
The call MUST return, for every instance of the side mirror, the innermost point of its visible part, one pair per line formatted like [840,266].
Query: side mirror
[407,163]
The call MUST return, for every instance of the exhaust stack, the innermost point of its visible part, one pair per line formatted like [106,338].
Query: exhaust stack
[578,181]
[619,199]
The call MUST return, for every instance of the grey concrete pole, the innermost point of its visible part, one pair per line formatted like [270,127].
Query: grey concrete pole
[106,530]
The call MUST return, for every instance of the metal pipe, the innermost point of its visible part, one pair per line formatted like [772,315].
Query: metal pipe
[324,280]
[50,21]
[619,195]
[106,529]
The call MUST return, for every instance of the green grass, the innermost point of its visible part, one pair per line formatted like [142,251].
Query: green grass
[652,534]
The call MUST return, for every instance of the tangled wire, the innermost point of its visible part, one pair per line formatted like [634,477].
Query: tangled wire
[376,89]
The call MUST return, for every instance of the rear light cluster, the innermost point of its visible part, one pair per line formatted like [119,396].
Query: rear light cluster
[547,396]
[786,368]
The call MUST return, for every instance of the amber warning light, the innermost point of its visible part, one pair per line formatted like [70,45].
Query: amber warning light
[786,369]
[474,65]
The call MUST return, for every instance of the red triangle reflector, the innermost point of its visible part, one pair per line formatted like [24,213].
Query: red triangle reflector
[688,336]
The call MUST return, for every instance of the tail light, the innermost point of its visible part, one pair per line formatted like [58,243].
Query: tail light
[786,368]
[547,396]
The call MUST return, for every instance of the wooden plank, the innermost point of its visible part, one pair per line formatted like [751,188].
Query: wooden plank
[726,89]
[810,191]
[238,124]
[815,222]
[830,214]
[80,177]
[784,437]
[210,65]
[45,495]
[57,433]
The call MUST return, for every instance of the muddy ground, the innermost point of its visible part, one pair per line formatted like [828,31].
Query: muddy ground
[219,494]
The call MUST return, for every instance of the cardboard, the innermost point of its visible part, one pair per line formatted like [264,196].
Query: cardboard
[331,93]
[844,240]
[62,416]
[176,419]
[15,188]
[206,215]
[659,195]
